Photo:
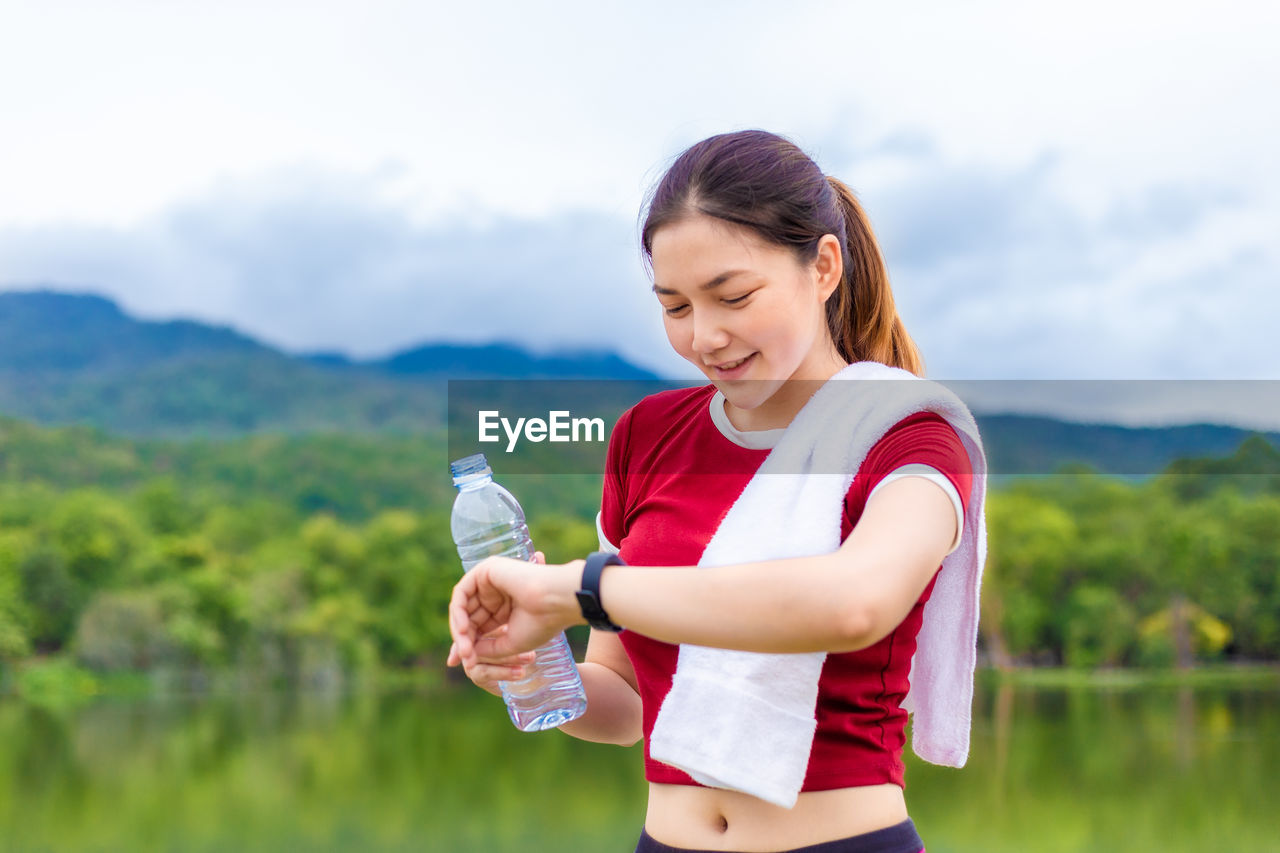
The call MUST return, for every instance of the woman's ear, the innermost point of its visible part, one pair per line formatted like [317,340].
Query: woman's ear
[829,266]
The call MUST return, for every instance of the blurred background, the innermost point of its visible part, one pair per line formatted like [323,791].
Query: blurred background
[245,247]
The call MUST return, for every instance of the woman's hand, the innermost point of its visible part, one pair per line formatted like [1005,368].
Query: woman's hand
[503,608]
[487,672]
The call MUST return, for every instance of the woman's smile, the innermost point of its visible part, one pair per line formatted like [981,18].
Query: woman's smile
[732,369]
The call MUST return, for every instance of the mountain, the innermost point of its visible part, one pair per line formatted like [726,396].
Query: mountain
[77,358]
[478,362]
[1029,444]
[491,361]
[43,330]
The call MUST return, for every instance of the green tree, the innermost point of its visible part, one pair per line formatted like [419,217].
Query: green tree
[125,630]
[1189,554]
[14,642]
[54,598]
[1100,627]
[166,509]
[95,534]
[1031,541]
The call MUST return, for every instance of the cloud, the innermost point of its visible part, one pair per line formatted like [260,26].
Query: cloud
[997,273]
[320,262]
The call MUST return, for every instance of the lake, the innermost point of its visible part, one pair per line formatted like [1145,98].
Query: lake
[1053,770]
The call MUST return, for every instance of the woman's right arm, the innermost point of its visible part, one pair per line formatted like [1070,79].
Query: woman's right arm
[613,697]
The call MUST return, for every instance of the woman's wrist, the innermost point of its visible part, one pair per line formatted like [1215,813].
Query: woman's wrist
[562,600]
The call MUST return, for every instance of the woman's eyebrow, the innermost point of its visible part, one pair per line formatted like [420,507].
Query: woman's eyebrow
[708,285]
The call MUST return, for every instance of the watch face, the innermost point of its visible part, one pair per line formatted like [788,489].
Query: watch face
[589,596]
[594,613]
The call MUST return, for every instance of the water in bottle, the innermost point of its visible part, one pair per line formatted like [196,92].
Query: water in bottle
[487,521]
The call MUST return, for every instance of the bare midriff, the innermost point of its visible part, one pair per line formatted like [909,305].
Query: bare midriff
[715,819]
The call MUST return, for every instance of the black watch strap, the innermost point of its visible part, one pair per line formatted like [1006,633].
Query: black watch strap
[589,595]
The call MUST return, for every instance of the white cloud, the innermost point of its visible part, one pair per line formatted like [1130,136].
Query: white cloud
[323,262]
[531,109]
[994,274]
[1080,193]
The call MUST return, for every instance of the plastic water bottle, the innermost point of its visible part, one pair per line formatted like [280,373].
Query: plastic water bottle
[487,521]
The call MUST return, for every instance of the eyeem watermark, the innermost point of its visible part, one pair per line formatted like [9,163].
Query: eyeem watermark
[559,426]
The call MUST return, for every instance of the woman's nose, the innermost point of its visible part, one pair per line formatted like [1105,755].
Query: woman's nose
[709,334]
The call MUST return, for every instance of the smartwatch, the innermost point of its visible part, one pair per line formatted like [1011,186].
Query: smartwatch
[589,595]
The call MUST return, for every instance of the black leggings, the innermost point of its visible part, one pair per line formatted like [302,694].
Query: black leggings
[899,838]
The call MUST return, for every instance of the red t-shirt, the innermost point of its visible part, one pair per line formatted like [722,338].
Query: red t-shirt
[671,476]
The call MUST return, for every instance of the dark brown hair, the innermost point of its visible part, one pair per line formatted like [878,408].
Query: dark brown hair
[764,182]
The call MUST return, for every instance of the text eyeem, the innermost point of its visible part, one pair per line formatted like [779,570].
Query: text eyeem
[558,426]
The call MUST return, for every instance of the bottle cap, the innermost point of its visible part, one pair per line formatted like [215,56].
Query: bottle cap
[470,468]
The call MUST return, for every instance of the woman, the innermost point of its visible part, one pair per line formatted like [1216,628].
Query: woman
[771,283]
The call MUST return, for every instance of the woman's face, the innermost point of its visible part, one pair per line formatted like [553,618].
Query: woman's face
[745,312]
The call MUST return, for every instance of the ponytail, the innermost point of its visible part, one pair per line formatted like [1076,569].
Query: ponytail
[864,322]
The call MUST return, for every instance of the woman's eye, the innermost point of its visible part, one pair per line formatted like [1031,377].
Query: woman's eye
[676,310]
[736,300]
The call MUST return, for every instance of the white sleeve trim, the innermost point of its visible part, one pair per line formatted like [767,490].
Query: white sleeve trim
[933,475]
[605,544]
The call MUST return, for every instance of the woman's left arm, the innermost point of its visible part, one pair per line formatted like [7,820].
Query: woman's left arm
[837,602]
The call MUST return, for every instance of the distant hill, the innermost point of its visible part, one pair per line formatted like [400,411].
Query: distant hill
[69,358]
[77,358]
[1028,444]
[48,331]
[476,362]
[490,361]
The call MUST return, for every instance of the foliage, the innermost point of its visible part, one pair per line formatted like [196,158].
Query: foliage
[56,684]
[125,630]
[199,569]
[1091,571]
[317,558]
[14,637]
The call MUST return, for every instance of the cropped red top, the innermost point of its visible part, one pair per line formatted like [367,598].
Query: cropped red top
[671,476]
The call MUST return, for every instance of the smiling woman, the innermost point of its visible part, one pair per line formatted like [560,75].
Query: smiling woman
[766,668]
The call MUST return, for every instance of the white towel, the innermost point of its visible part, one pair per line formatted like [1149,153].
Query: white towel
[745,721]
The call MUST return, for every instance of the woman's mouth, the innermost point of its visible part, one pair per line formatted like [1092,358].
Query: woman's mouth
[733,369]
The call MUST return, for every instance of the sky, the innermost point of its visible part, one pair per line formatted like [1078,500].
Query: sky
[1088,191]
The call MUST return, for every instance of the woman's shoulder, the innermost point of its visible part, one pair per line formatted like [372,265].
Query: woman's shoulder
[923,432]
[913,422]
[656,418]
[670,404]
[924,438]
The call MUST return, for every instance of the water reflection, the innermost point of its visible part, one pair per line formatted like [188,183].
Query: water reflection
[1049,770]
[1108,769]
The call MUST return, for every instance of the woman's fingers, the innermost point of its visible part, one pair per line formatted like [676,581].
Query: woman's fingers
[496,647]
[460,621]
[455,658]
[485,673]
[472,650]
[521,659]
[508,662]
